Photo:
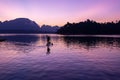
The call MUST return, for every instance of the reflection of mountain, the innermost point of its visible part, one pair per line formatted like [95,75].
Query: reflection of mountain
[19,25]
[90,42]
[20,43]
[21,38]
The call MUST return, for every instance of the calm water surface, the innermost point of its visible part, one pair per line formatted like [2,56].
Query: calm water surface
[26,57]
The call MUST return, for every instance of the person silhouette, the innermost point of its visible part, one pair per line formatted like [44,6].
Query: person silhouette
[48,44]
[48,38]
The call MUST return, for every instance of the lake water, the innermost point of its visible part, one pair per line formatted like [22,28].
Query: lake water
[26,57]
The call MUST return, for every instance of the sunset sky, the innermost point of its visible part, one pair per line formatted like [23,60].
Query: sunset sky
[59,12]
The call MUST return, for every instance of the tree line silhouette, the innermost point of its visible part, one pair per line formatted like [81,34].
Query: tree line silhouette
[90,27]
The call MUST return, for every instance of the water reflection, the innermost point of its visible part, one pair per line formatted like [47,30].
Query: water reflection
[48,50]
[92,42]
[20,43]
[65,62]
[21,38]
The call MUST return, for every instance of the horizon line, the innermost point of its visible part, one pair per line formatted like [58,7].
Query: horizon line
[41,24]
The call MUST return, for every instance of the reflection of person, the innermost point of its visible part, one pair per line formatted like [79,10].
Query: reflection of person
[48,44]
[48,50]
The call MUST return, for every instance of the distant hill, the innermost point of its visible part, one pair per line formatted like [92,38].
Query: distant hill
[90,27]
[49,29]
[19,25]
[25,25]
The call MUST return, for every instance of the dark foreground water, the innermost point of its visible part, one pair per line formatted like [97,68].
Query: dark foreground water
[26,57]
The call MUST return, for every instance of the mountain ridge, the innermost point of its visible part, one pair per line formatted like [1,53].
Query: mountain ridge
[25,25]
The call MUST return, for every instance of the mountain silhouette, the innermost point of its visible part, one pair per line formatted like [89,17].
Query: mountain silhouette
[90,27]
[19,25]
[49,29]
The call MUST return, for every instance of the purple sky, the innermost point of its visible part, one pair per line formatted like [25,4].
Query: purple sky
[58,12]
